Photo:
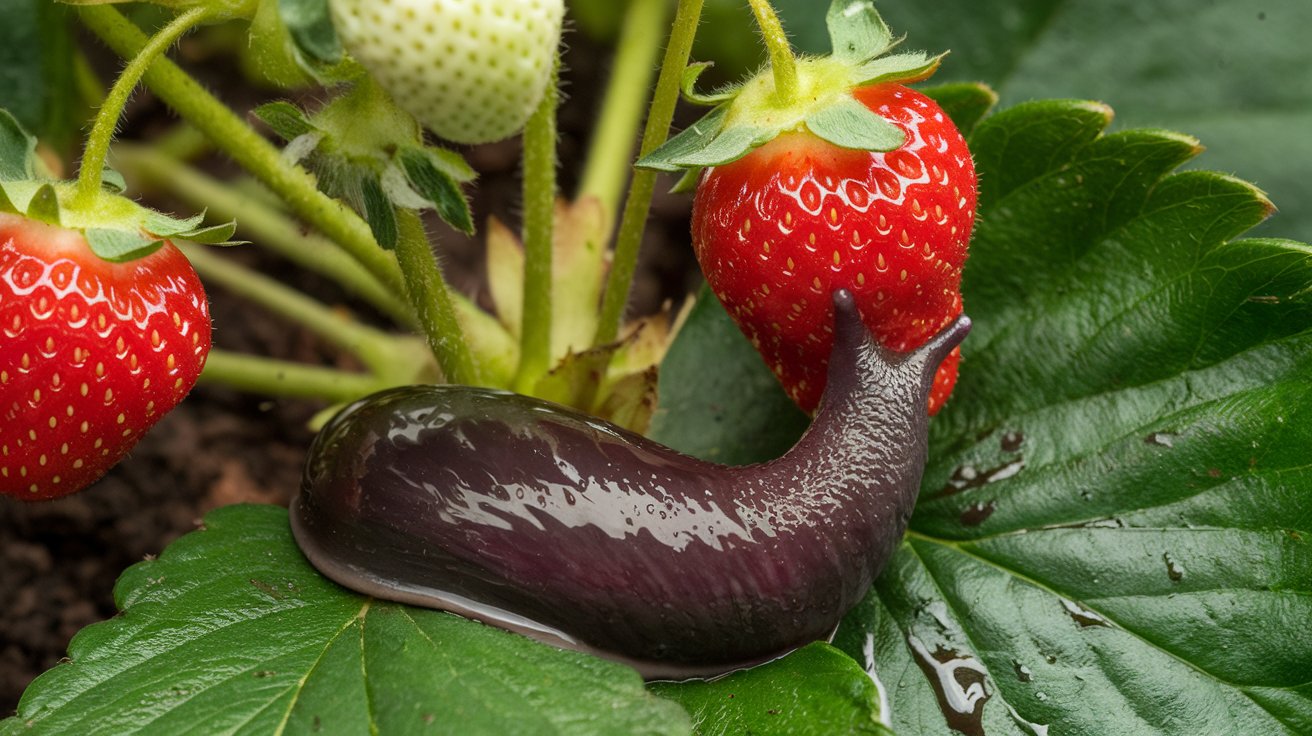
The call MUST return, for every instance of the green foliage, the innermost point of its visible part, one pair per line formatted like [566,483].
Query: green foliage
[231,631]
[37,70]
[1113,533]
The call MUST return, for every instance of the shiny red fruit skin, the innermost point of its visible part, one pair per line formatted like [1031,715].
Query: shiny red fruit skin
[776,232]
[92,354]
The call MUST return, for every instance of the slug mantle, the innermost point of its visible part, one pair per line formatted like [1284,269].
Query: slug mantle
[528,516]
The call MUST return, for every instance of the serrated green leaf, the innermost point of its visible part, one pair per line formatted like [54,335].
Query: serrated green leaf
[311,27]
[16,149]
[966,103]
[285,119]
[856,32]
[44,205]
[692,139]
[120,246]
[379,211]
[689,87]
[231,631]
[437,186]
[1113,532]
[850,124]
[814,690]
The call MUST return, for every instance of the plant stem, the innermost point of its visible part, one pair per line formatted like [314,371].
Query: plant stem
[782,62]
[102,132]
[643,182]
[610,152]
[373,347]
[427,293]
[231,134]
[271,377]
[271,228]
[539,196]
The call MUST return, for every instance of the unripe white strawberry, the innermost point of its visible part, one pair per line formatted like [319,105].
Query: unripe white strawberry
[471,71]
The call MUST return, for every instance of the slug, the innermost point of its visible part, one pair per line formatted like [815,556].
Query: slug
[529,516]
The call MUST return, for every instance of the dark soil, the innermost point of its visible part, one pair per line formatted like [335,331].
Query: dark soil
[59,560]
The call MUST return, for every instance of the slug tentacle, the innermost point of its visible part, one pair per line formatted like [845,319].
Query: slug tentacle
[526,515]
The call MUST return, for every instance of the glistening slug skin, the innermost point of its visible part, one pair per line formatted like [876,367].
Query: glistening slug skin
[529,516]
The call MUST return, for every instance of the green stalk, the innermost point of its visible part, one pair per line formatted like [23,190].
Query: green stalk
[610,152]
[102,132]
[427,292]
[271,377]
[235,138]
[783,65]
[539,198]
[270,227]
[643,183]
[374,347]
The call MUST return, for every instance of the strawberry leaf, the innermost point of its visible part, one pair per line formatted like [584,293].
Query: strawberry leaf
[231,631]
[965,102]
[1113,531]
[120,246]
[816,689]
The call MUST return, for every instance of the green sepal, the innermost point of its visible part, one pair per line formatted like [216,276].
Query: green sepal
[44,205]
[687,184]
[695,137]
[17,147]
[120,246]
[220,235]
[966,103]
[912,66]
[850,124]
[451,163]
[167,226]
[7,204]
[311,28]
[436,185]
[285,119]
[689,87]
[379,211]
[112,181]
[856,31]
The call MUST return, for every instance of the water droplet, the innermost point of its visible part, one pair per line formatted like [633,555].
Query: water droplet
[977,513]
[1083,616]
[960,684]
[1161,439]
[1022,672]
[1011,441]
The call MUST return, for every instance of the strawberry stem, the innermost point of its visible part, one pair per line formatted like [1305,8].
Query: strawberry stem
[271,377]
[428,295]
[102,132]
[782,62]
[539,196]
[643,183]
[606,166]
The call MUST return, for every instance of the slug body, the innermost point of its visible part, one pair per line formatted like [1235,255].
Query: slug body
[529,516]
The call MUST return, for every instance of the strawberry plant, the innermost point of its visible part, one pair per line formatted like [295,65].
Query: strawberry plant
[1111,532]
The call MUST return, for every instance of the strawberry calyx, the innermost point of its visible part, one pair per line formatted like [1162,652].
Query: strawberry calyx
[368,151]
[116,228]
[815,96]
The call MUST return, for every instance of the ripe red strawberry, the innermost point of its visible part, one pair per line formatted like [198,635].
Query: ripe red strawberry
[777,231]
[92,353]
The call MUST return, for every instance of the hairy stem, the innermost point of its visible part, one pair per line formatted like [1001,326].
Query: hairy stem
[643,183]
[610,152]
[539,209]
[237,139]
[783,65]
[427,292]
[102,132]
[271,377]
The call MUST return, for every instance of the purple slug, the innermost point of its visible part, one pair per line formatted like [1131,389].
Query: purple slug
[529,516]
